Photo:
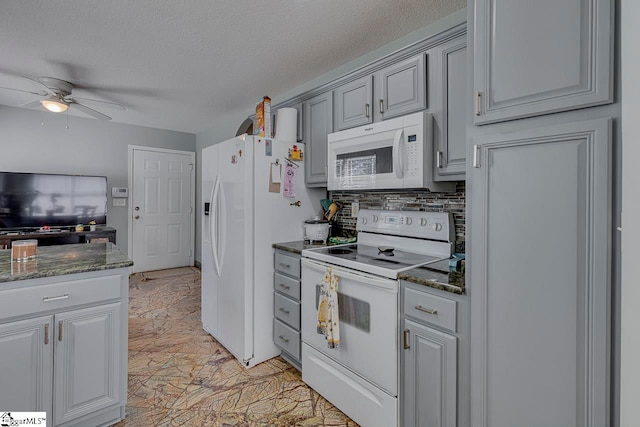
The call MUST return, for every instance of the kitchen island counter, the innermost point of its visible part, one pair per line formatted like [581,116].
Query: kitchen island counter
[61,260]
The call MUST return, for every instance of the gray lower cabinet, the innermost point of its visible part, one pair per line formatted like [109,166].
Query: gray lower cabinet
[353,103]
[539,57]
[401,88]
[64,347]
[448,104]
[286,306]
[541,276]
[318,124]
[429,358]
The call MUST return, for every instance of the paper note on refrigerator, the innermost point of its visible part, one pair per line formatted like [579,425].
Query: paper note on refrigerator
[289,181]
[275,173]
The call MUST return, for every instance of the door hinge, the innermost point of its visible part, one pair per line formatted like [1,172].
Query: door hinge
[406,339]
[476,156]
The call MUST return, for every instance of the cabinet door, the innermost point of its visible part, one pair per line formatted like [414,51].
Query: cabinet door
[87,361]
[353,103]
[448,80]
[540,232]
[26,358]
[318,123]
[401,88]
[430,377]
[538,57]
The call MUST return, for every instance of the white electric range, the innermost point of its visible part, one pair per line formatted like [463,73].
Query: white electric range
[360,377]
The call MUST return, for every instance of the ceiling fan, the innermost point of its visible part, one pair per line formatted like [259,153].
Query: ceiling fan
[57,98]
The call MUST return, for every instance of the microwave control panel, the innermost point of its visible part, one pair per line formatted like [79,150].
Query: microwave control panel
[413,145]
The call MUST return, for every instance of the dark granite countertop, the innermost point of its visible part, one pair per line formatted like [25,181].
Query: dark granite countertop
[63,259]
[437,276]
[298,246]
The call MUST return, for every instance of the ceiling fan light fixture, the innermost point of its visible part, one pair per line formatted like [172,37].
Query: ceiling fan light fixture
[54,105]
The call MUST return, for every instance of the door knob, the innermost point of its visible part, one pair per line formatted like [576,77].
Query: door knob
[137,217]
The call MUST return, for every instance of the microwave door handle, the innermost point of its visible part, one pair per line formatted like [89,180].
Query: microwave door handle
[397,154]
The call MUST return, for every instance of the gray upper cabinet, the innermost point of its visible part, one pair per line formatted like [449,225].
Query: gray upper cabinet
[539,57]
[540,316]
[318,124]
[447,99]
[400,88]
[353,103]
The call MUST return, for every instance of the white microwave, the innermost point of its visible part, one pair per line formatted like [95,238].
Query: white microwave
[392,154]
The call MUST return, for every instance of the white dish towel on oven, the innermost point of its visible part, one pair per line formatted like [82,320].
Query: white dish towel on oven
[328,319]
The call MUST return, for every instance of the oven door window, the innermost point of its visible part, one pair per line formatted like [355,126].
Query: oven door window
[351,311]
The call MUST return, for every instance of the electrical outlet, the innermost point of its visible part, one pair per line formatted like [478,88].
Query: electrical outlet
[119,202]
[355,208]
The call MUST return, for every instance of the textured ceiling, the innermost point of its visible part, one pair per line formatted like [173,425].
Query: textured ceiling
[176,64]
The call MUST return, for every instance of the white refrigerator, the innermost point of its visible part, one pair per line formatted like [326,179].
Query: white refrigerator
[245,181]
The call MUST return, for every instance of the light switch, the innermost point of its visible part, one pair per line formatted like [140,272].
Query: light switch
[119,202]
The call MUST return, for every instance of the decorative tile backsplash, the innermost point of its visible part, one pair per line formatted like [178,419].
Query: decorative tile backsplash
[404,201]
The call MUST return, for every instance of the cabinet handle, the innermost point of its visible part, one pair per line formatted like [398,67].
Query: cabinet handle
[50,299]
[476,152]
[406,339]
[60,330]
[366,110]
[287,287]
[439,160]
[284,311]
[284,339]
[46,333]
[283,265]
[476,103]
[426,310]
[381,104]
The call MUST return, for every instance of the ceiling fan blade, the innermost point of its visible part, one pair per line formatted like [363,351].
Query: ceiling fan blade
[25,91]
[31,104]
[107,104]
[90,111]
[46,88]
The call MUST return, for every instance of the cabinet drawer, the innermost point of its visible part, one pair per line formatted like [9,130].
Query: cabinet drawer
[287,285]
[55,296]
[430,308]
[288,264]
[286,338]
[287,310]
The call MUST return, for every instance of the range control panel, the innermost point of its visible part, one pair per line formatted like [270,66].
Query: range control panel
[426,225]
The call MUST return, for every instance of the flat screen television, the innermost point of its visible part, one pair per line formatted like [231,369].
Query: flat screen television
[33,200]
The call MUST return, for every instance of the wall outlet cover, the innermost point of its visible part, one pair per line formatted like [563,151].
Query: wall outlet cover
[119,202]
[355,208]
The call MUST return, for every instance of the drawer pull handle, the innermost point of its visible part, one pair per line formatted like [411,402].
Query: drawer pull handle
[286,340]
[59,297]
[283,265]
[426,310]
[46,333]
[284,311]
[287,287]
[60,330]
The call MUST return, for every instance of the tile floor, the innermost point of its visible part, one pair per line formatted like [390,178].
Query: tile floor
[180,376]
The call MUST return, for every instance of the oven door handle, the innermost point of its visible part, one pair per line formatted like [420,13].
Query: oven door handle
[368,279]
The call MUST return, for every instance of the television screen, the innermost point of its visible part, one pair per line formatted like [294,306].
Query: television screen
[32,200]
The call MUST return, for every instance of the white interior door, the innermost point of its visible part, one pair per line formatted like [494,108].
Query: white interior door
[162,214]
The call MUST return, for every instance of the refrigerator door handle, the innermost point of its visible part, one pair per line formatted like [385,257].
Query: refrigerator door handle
[223,226]
[213,223]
